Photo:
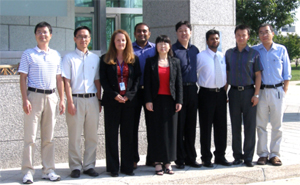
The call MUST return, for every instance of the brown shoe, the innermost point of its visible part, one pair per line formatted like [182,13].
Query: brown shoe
[262,161]
[275,161]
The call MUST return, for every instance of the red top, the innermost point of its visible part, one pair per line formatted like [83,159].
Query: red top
[164,80]
[125,76]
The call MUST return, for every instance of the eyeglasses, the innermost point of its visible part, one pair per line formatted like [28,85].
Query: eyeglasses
[264,33]
[83,37]
[42,32]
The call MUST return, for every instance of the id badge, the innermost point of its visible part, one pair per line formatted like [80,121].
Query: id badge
[122,86]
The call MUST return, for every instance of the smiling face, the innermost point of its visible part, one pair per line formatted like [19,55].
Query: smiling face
[183,34]
[142,33]
[82,39]
[120,42]
[241,37]
[213,42]
[266,35]
[43,35]
[163,47]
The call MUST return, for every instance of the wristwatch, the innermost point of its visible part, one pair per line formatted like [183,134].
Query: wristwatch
[257,96]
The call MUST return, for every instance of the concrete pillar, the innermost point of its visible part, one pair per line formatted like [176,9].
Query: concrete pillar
[162,16]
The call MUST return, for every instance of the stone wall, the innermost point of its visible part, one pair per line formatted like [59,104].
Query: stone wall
[204,15]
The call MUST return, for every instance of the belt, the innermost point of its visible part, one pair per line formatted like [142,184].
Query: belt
[189,83]
[270,86]
[141,87]
[241,88]
[89,95]
[41,90]
[211,89]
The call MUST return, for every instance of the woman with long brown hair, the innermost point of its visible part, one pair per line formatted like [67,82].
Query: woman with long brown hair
[119,77]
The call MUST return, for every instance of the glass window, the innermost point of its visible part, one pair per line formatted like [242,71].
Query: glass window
[128,21]
[84,3]
[110,28]
[85,21]
[125,3]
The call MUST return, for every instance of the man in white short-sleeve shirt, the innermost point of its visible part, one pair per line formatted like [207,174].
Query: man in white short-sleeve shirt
[80,70]
[41,66]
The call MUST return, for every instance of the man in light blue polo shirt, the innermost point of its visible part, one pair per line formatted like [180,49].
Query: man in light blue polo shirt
[143,49]
[41,66]
[275,81]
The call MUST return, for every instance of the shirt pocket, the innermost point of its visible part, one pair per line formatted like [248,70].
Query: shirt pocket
[276,62]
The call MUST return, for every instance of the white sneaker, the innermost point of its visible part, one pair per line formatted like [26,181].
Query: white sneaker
[28,179]
[52,176]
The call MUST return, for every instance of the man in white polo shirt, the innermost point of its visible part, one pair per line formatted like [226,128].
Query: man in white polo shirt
[41,66]
[80,70]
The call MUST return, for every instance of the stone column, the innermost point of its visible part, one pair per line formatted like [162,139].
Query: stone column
[162,16]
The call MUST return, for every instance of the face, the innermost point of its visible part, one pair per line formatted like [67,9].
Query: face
[42,35]
[120,42]
[241,37]
[213,41]
[82,39]
[142,33]
[265,35]
[163,47]
[183,34]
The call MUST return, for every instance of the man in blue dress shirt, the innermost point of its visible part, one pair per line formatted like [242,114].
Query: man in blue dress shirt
[275,82]
[143,49]
[187,117]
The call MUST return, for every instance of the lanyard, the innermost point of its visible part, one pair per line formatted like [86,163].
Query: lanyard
[121,68]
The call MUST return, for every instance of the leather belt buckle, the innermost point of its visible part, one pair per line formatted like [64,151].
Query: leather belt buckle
[241,88]
[218,89]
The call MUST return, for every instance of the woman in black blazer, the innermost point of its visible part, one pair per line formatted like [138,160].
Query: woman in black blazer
[119,77]
[163,95]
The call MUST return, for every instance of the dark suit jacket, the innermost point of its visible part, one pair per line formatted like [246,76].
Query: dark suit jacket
[110,84]
[151,79]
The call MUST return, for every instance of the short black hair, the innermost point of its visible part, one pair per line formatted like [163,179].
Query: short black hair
[211,32]
[166,39]
[266,24]
[41,25]
[180,23]
[81,28]
[141,23]
[242,27]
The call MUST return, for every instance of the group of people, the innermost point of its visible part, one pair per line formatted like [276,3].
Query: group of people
[170,82]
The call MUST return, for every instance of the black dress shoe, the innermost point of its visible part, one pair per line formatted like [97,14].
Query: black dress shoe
[180,166]
[91,172]
[114,174]
[249,163]
[128,173]
[75,173]
[223,162]
[207,164]
[194,164]
[237,161]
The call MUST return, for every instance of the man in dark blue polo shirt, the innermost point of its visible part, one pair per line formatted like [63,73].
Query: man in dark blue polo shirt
[187,117]
[143,49]
[243,68]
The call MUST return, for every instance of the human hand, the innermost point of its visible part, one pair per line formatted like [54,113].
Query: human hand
[71,109]
[178,107]
[27,107]
[149,106]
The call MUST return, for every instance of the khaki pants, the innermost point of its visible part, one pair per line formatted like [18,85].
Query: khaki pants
[86,119]
[44,107]
[270,106]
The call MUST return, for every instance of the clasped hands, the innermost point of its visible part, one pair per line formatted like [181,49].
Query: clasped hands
[121,99]
[149,107]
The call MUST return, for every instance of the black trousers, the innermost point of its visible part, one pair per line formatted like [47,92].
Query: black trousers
[213,111]
[137,115]
[186,130]
[115,116]
[240,107]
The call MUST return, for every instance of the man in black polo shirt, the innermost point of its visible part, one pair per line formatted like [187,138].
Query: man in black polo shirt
[187,53]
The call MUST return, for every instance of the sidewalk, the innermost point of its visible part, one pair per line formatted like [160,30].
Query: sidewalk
[240,174]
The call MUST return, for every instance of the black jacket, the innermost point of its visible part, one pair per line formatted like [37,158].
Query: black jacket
[151,79]
[110,84]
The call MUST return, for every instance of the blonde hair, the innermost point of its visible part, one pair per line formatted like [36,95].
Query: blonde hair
[111,54]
